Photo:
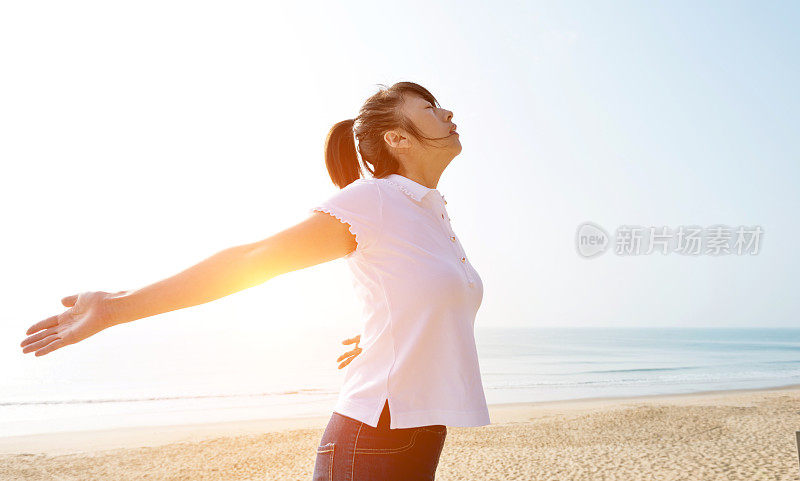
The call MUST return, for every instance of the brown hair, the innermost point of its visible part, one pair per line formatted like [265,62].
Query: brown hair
[381,112]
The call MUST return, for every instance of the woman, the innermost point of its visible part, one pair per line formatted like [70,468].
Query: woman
[417,372]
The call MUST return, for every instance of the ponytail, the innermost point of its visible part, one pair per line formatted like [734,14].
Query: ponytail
[340,154]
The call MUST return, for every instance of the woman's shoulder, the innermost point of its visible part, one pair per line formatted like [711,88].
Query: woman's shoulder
[361,182]
[373,184]
[388,191]
[368,180]
[382,183]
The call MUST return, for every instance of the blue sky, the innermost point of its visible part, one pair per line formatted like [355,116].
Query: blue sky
[140,139]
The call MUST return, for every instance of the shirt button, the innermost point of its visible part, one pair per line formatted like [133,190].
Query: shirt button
[463,259]
[453,238]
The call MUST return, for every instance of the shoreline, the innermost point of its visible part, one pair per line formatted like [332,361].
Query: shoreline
[96,441]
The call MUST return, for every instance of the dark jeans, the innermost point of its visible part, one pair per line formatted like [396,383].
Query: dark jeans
[353,451]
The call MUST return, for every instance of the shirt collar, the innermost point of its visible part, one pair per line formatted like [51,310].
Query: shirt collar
[414,189]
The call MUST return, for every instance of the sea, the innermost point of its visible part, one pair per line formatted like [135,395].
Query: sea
[185,378]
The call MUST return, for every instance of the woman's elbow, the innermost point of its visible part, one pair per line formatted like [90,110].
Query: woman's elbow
[319,238]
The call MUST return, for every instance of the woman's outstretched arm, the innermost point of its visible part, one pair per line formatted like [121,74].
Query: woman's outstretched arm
[317,239]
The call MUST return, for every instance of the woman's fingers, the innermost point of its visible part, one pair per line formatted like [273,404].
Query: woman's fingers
[346,362]
[38,336]
[51,347]
[355,352]
[51,321]
[69,301]
[41,343]
[352,340]
[350,355]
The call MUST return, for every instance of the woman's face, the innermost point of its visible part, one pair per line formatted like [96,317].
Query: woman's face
[433,122]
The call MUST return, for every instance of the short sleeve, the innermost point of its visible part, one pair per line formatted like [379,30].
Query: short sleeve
[358,204]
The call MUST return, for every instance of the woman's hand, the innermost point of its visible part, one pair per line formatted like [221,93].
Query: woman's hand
[85,317]
[350,355]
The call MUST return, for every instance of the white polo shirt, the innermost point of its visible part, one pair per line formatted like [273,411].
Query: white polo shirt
[420,296]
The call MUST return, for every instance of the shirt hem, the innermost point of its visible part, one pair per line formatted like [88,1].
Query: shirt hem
[413,419]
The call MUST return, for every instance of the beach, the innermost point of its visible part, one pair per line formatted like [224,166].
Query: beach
[712,435]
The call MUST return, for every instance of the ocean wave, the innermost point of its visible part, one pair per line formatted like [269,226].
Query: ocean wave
[168,398]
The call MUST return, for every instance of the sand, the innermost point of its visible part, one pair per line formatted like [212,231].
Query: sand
[716,435]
